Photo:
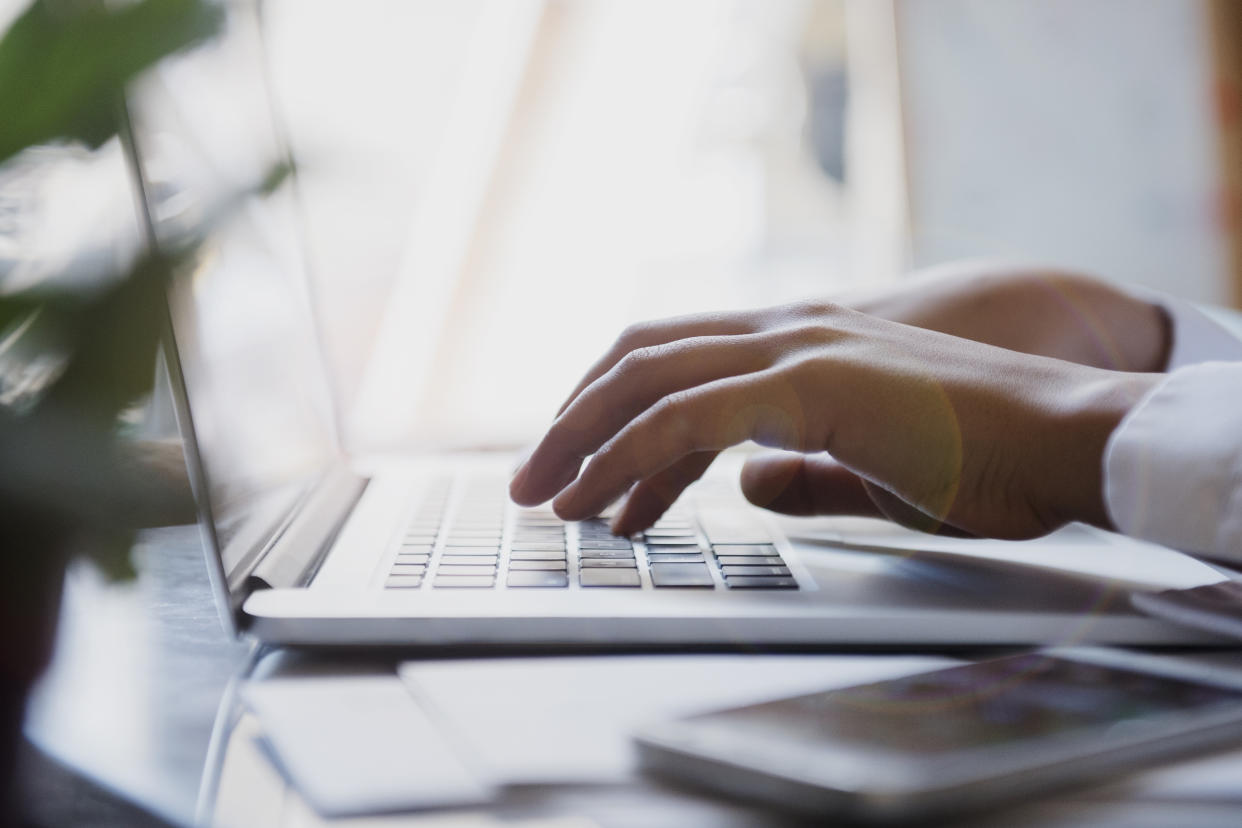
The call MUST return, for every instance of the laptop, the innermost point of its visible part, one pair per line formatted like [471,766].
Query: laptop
[310,546]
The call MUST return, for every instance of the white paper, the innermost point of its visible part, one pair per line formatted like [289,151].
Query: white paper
[1212,779]
[355,745]
[1074,548]
[252,793]
[569,720]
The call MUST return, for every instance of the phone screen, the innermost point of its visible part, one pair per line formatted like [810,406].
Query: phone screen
[992,703]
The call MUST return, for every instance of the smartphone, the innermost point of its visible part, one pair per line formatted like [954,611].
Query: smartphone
[957,739]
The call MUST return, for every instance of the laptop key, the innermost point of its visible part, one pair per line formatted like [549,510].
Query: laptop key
[748,560]
[406,558]
[463,581]
[453,569]
[657,557]
[535,546]
[407,569]
[619,554]
[675,548]
[761,571]
[747,582]
[536,566]
[723,526]
[744,549]
[604,543]
[673,544]
[403,582]
[609,578]
[455,551]
[468,560]
[607,563]
[671,535]
[538,579]
[536,555]
[672,526]
[681,575]
[472,539]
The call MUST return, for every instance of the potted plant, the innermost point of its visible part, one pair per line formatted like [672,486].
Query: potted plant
[74,354]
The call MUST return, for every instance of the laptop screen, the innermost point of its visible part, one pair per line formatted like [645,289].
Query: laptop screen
[254,382]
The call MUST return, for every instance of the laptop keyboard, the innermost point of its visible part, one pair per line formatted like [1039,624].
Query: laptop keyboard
[480,540]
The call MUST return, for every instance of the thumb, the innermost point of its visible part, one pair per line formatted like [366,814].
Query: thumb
[815,484]
[805,484]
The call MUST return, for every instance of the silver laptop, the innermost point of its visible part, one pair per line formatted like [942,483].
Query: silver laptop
[310,546]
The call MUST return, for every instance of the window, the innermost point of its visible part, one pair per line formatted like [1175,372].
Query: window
[495,189]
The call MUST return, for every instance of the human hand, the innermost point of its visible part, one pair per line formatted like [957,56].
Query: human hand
[928,429]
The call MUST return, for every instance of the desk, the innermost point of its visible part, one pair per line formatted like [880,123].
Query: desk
[141,671]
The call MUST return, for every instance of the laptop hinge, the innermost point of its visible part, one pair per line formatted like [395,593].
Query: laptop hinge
[293,558]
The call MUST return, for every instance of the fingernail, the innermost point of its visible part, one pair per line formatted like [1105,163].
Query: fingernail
[522,462]
[564,502]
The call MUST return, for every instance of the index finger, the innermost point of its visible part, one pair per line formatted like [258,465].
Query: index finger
[761,407]
[633,385]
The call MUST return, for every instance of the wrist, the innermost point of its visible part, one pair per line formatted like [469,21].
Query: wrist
[1088,415]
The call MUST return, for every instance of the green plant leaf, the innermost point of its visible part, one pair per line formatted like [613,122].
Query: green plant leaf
[115,337]
[111,554]
[63,67]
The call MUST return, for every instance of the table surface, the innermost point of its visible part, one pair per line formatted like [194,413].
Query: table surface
[141,679]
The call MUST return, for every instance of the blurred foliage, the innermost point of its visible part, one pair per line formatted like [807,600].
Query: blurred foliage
[63,65]
[63,71]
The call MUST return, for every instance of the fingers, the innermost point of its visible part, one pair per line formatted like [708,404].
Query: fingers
[662,332]
[651,498]
[638,381]
[711,417]
[802,484]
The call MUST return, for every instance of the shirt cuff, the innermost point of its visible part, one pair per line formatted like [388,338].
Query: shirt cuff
[1199,334]
[1172,467]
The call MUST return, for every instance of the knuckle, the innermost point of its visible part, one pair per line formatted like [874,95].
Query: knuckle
[808,312]
[671,419]
[818,309]
[633,335]
[803,341]
[627,364]
[813,333]
[604,455]
[668,408]
[639,359]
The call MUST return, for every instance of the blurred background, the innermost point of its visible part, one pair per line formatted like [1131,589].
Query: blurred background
[496,187]
[492,189]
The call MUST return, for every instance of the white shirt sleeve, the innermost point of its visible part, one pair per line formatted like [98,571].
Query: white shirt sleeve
[1173,467]
[1201,334]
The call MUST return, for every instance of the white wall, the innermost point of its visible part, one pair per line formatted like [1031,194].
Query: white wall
[1077,132]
